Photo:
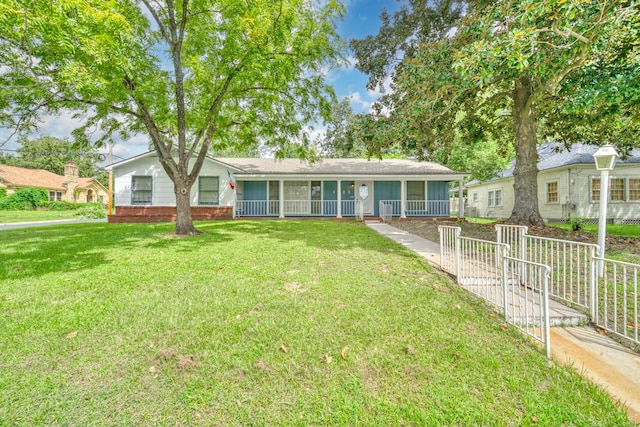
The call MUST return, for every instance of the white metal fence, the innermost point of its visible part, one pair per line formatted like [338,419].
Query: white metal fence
[616,296]
[526,296]
[570,275]
[518,288]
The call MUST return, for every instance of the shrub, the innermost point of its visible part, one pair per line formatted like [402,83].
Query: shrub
[3,193]
[64,206]
[91,211]
[25,199]
[577,223]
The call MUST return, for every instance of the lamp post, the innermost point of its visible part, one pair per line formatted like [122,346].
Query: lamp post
[605,158]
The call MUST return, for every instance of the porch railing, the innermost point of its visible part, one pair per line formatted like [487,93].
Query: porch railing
[256,208]
[418,208]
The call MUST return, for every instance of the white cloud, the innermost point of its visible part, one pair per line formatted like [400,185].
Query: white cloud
[357,103]
[387,89]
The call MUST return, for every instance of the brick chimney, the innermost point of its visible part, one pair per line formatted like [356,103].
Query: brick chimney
[71,180]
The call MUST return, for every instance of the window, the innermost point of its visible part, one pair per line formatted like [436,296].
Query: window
[595,189]
[495,198]
[552,192]
[415,196]
[634,189]
[617,189]
[55,196]
[141,190]
[208,190]
[475,197]
[617,186]
[415,190]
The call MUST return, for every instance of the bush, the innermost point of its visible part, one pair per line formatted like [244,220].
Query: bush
[577,223]
[64,206]
[91,211]
[3,193]
[25,199]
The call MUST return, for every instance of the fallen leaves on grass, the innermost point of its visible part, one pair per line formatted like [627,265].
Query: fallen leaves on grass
[71,335]
[328,359]
[504,327]
[283,348]
[343,353]
[409,350]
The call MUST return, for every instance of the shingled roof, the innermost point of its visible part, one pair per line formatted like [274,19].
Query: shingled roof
[13,176]
[336,167]
[554,155]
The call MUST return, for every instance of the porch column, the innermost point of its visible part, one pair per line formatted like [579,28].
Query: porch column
[281,199]
[460,201]
[403,197]
[339,190]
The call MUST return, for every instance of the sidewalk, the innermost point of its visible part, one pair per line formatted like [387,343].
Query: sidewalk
[595,356]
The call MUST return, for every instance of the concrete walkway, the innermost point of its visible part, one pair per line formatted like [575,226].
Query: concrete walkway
[595,356]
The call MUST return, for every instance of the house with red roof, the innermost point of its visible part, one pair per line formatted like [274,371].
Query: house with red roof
[69,187]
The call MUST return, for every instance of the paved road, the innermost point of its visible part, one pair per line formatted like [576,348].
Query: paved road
[45,223]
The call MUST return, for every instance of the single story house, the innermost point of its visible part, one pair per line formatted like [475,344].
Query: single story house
[568,186]
[69,187]
[285,188]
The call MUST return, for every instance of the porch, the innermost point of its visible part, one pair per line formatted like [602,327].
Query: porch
[342,198]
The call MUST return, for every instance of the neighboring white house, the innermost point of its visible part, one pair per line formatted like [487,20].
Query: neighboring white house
[285,188]
[568,186]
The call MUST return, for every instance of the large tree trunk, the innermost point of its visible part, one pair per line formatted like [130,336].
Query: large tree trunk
[184,222]
[525,173]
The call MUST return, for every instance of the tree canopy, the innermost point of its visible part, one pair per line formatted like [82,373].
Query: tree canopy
[191,74]
[501,73]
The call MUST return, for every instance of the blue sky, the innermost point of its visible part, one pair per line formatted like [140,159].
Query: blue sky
[361,19]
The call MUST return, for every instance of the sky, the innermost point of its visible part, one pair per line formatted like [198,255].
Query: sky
[361,19]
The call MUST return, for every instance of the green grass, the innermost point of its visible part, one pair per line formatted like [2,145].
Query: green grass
[627,230]
[7,217]
[123,324]
[481,220]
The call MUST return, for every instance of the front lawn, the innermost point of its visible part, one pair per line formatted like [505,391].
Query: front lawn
[260,323]
[8,217]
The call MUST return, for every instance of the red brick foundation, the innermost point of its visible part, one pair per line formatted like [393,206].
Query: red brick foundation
[168,213]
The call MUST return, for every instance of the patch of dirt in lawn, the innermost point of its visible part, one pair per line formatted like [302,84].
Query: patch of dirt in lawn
[428,229]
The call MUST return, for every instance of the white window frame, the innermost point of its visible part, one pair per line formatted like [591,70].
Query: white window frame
[557,192]
[133,191]
[626,190]
[216,191]
[492,198]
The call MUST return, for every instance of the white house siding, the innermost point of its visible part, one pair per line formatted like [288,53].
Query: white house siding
[617,211]
[162,186]
[481,207]
[574,195]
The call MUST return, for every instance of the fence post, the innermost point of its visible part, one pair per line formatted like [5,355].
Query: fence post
[593,298]
[547,331]
[457,246]
[503,249]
